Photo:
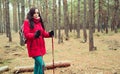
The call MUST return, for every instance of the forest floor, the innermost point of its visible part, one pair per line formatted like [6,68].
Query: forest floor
[104,60]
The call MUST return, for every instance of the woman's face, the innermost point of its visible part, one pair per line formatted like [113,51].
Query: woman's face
[36,14]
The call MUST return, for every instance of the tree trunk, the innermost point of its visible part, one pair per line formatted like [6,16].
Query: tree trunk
[8,21]
[100,17]
[93,15]
[34,3]
[22,19]
[46,14]
[66,19]
[1,17]
[84,23]
[4,16]
[73,26]
[91,43]
[108,15]
[15,24]
[116,15]
[60,39]
[71,22]
[54,25]
[29,3]
[78,20]
[19,18]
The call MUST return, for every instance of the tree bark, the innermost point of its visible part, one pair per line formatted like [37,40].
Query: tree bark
[19,18]
[54,24]
[15,23]
[60,40]
[46,14]
[115,17]
[22,19]
[1,25]
[84,23]
[78,20]
[8,21]
[29,3]
[66,19]
[91,43]
[93,15]
[100,21]
[4,16]
[71,20]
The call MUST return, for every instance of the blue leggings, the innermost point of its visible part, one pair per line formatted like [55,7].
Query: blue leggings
[39,65]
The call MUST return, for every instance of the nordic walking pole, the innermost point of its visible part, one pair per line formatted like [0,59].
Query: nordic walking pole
[53,54]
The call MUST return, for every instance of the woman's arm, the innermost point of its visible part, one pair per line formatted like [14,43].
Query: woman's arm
[27,33]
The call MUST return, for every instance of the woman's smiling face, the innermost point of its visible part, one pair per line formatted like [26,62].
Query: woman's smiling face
[36,14]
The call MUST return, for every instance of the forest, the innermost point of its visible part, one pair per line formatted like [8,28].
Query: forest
[83,20]
[94,15]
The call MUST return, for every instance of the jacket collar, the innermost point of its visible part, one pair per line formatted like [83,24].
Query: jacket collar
[36,20]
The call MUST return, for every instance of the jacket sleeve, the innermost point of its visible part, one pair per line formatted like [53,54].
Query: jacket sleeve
[27,33]
[46,34]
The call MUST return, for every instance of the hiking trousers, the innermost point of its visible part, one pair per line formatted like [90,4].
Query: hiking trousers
[39,65]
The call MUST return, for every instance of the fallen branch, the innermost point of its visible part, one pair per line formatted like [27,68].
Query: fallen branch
[57,64]
[23,69]
[48,66]
[4,68]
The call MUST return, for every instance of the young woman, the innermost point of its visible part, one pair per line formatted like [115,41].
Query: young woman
[35,33]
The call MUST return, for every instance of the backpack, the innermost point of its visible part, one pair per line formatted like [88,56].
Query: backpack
[22,34]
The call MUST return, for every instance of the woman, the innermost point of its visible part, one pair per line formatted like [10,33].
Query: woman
[35,33]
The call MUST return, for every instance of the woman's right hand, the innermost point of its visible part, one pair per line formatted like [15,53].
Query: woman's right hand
[37,34]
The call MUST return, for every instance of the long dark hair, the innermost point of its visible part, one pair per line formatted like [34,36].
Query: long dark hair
[30,18]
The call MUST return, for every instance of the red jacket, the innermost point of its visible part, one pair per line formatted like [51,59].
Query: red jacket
[35,46]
